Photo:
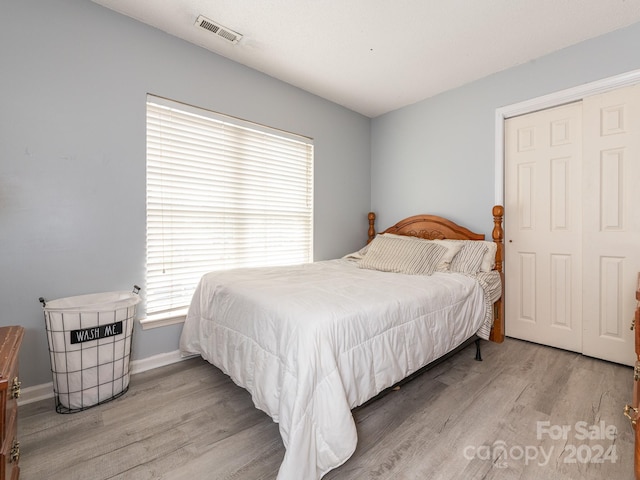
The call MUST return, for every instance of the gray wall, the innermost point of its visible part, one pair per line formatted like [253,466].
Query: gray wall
[437,156]
[73,84]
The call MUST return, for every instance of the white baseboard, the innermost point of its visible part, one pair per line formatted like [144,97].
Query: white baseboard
[155,361]
[45,390]
[35,393]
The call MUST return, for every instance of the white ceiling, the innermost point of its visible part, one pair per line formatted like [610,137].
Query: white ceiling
[374,56]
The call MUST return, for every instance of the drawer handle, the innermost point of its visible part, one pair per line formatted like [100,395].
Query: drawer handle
[14,456]
[631,413]
[15,388]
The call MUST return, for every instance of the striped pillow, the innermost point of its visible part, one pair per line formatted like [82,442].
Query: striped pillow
[469,258]
[389,254]
[452,248]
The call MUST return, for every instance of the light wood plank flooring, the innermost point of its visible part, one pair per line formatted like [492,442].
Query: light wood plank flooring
[461,420]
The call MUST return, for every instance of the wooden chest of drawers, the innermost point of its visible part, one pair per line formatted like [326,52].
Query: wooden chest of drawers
[632,411]
[10,340]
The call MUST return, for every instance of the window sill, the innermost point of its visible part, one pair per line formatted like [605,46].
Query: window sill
[156,321]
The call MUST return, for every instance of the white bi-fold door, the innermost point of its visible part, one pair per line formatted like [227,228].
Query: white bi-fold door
[572,224]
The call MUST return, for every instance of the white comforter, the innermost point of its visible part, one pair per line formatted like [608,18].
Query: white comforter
[310,342]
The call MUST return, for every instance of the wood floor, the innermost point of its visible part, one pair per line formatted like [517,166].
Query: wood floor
[522,413]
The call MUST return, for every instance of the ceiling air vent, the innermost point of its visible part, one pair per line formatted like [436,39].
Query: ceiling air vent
[217,29]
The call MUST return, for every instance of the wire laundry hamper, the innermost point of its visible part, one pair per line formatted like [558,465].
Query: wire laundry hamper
[89,339]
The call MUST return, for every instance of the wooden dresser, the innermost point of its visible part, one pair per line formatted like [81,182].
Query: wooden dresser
[631,411]
[10,340]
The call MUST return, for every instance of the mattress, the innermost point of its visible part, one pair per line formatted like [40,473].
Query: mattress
[311,342]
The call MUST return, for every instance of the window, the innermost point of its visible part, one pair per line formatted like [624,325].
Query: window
[221,193]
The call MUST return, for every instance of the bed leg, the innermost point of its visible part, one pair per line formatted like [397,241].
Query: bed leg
[478,355]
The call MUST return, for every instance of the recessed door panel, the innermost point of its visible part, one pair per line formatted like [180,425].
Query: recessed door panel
[611,222]
[542,174]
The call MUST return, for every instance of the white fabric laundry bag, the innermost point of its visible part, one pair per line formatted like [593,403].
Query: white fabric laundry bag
[89,340]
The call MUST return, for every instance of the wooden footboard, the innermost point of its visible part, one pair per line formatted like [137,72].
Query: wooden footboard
[432,227]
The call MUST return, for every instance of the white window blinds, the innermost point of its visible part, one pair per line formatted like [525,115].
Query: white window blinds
[221,193]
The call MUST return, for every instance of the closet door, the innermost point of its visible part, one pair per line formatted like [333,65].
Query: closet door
[543,227]
[611,222]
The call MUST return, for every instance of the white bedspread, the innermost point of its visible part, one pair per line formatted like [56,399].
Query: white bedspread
[310,342]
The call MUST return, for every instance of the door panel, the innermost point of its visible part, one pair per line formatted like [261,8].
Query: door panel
[611,220]
[543,233]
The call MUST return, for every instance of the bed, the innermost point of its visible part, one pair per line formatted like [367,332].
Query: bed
[311,342]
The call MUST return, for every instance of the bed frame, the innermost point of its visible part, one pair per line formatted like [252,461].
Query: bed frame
[432,227]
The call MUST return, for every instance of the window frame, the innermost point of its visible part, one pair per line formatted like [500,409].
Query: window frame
[303,193]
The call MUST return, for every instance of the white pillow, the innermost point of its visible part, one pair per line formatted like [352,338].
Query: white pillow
[393,254]
[489,260]
[357,255]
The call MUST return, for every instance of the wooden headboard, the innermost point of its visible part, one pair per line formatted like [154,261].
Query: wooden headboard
[433,227]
